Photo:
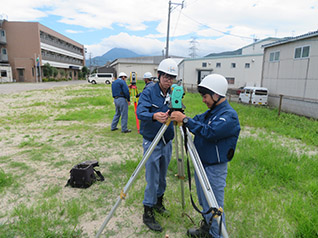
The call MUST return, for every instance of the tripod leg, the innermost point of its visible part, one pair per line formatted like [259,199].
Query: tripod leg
[181,175]
[205,184]
[134,174]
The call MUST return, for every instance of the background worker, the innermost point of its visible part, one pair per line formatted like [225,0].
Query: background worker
[148,81]
[152,111]
[216,133]
[121,97]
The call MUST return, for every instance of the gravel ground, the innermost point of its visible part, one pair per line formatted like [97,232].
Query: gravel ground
[8,88]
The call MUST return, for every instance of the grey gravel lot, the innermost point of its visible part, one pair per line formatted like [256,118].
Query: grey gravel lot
[9,88]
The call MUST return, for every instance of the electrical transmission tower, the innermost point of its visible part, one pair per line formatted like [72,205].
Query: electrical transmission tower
[193,48]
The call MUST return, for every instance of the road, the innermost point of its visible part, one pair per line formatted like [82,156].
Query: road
[8,88]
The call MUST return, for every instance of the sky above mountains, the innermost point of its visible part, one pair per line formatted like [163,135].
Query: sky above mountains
[141,25]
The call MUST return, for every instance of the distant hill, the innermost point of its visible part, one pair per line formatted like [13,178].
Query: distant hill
[235,52]
[111,55]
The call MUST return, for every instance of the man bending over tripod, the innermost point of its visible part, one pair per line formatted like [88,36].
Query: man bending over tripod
[152,111]
[216,133]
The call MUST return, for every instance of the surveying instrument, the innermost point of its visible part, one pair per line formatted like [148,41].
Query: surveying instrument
[133,92]
[175,103]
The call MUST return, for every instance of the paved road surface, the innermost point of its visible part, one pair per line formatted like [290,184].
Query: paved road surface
[8,88]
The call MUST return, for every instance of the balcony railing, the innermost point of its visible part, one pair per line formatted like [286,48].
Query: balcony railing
[60,59]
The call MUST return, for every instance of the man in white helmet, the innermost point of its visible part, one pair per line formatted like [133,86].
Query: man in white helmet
[152,111]
[216,133]
[148,81]
[121,97]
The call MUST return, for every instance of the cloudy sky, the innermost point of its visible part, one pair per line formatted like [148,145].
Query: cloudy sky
[141,25]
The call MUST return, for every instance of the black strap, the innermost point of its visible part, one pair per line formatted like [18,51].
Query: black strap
[99,174]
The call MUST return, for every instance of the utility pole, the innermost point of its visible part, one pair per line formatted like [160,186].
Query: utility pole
[168,27]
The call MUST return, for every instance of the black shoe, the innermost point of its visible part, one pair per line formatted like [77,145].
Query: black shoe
[202,232]
[115,129]
[149,219]
[126,131]
[159,207]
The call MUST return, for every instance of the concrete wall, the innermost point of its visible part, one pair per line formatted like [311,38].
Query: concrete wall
[23,43]
[140,69]
[189,70]
[295,79]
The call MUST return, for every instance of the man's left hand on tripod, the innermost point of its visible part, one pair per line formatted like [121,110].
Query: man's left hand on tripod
[177,116]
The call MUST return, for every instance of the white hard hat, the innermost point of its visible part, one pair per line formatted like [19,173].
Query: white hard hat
[147,75]
[168,66]
[215,83]
[122,74]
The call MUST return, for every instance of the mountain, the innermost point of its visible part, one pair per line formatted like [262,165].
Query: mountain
[235,52]
[111,55]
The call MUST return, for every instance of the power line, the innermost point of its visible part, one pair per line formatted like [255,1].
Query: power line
[225,33]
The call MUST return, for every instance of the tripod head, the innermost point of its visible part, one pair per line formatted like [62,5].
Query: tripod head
[176,95]
[133,78]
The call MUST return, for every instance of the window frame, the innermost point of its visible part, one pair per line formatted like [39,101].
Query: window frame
[273,56]
[301,52]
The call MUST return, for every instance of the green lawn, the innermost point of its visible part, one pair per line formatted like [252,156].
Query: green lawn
[272,183]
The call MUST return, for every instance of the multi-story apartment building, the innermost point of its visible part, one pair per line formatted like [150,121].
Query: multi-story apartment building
[27,46]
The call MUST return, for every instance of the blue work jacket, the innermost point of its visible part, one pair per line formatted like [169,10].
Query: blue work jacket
[120,89]
[216,133]
[151,101]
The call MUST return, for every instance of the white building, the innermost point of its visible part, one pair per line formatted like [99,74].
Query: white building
[5,73]
[139,65]
[291,70]
[242,67]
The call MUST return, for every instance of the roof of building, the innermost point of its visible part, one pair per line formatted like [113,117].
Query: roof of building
[291,39]
[143,60]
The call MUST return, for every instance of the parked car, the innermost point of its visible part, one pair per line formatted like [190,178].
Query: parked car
[254,95]
[107,78]
[239,90]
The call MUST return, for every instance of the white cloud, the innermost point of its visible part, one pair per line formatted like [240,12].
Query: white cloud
[204,19]
[140,45]
[73,32]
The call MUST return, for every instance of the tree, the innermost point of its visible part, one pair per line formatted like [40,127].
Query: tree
[55,72]
[47,70]
[85,71]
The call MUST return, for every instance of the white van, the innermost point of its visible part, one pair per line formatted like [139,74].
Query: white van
[107,78]
[254,95]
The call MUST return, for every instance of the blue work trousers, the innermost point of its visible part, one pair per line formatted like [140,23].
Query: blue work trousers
[121,106]
[156,171]
[217,177]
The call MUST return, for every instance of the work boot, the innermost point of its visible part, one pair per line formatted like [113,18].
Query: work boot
[159,207]
[202,232]
[149,219]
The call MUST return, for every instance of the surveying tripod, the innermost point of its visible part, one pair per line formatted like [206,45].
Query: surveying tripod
[133,92]
[176,96]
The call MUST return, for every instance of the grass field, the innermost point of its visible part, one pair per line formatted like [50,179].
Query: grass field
[272,183]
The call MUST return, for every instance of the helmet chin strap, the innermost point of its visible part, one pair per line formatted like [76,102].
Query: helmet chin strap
[215,102]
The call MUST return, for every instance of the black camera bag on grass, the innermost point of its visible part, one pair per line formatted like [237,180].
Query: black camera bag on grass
[83,175]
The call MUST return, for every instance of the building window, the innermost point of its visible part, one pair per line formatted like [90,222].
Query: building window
[2,33]
[230,80]
[4,51]
[218,65]
[233,65]
[297,53]
[302,52]
[247,65]
[204,64]
[274,56]
[3,73]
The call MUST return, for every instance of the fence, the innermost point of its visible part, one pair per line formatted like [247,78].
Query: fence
[300,106]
